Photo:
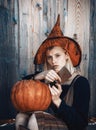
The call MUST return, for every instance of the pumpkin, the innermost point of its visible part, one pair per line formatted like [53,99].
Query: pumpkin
[30,95]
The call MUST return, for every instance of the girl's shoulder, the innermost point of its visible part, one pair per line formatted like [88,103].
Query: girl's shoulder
[81,82]
[80,78]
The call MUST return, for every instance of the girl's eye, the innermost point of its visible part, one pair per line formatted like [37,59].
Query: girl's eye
[49,57]
[57,55]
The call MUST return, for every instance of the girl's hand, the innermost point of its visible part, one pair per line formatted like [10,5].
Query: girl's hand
[56,92]
[49,76]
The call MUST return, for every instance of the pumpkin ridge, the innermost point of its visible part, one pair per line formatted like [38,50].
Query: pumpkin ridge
[16,100]
[48,98]
[33,92]
[25,93]
[13,97]
[43,96]
[38,95]
[20,95]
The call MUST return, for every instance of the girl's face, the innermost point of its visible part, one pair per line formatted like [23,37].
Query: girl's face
[56,58]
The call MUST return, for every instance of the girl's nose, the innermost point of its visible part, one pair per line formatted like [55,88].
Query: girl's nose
[53,60]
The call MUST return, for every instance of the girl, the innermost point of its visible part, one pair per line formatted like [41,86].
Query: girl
[70,98]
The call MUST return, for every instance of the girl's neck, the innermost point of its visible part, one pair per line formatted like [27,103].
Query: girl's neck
[69,81]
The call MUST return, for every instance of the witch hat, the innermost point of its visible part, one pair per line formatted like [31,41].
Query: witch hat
[56,38]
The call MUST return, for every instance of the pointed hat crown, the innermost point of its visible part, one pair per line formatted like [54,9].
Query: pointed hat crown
[56,38]
[56,31]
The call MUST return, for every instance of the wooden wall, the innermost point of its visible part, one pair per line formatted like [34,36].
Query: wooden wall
[24,26]
[33,29]
[8,57]
[36,19]
[78,27]
[92,57]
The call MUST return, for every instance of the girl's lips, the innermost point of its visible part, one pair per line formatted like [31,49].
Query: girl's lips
[55,66]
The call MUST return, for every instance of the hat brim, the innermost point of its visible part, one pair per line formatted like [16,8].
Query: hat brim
[68,44]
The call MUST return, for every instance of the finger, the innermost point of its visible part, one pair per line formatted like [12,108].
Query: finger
[51,77]
[59,86]
[48,78]
[55,76]
[58,78]
[53,91]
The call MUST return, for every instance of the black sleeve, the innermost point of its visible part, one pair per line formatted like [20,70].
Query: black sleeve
[27,77]
[30,76]
[77,114]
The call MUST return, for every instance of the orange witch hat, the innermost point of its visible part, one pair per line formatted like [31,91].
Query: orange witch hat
[56,38]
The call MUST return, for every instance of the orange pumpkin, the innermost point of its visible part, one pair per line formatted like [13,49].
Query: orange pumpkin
[30,95]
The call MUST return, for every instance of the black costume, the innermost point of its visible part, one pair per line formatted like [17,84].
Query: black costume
[73,113]
[75,116]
